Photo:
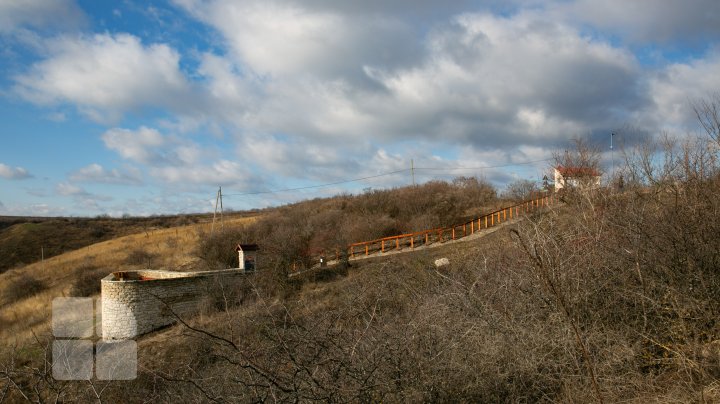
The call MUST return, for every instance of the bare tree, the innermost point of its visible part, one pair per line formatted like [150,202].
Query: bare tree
[707,111]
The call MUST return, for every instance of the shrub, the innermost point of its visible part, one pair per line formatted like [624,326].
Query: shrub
[21,287]
[141,257]
[217,249]
[87,281]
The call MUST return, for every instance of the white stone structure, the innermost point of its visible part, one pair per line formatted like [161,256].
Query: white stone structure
[247,256]
[137,302]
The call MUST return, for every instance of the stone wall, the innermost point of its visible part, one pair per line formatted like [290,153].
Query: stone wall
[137,302]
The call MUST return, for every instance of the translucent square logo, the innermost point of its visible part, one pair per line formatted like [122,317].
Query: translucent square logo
[116,360]
[72,317]
[74,324]
[72,359]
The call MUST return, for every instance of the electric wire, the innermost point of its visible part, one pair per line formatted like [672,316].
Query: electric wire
[381,175]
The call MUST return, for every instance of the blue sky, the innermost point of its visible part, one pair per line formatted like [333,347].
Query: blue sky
[145,108]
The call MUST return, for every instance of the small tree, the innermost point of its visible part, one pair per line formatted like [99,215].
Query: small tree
[521,189]
[707,111]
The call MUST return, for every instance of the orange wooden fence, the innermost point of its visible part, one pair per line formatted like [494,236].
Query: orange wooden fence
[458,231]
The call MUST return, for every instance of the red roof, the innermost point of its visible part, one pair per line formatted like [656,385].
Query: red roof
[247,247]
[578,171]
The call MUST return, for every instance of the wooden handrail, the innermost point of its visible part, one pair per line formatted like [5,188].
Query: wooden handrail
[502,215]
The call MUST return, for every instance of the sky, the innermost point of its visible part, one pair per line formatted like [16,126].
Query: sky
[148,107]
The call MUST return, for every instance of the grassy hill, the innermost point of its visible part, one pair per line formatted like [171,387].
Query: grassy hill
[24,240]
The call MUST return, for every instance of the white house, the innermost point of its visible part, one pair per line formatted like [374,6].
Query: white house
[576,177]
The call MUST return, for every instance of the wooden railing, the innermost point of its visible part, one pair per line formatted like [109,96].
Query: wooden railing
[458,231]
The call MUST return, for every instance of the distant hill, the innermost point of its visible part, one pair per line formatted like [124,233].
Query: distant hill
[24,240]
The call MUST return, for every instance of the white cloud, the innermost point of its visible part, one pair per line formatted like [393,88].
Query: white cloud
[135,145]
[39,14]
[105,75]
[65,189]
[222,172]
[674,88]
[37,210]
[169,159]
[95,173]
[491,81]
[13,173]
[80,196]
[647,20]
[289,38]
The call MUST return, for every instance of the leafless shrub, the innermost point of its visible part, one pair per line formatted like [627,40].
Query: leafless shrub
[87,281]
[141,257]
[20,287]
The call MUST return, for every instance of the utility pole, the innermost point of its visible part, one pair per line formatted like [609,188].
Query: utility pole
[218,200]
[612,159]
[412,169]
[222,221]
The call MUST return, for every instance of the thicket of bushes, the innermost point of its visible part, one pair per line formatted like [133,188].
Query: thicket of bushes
[299,232]
[613,296]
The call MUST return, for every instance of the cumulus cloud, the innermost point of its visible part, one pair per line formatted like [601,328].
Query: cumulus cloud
[674,88]
[81,197]
[36,209]
[65,189]
[40,14]
[647,21]
[95,173]
[13,173]
[105,75]
[169,159]
[222,172]
[287,38]
[491,81]
[135,145]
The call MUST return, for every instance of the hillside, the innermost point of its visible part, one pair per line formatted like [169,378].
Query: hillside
[24,240]
[26,292]
[611,296]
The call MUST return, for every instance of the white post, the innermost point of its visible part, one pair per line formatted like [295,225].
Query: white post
[241,260]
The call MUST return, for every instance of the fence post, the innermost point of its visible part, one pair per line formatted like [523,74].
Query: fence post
[492,220]
[505,214]
[367,249]
[465,230]
[382,245]
[397,243]
[453,233]
[412,241]
[486,226]
[426,238]
[472,227]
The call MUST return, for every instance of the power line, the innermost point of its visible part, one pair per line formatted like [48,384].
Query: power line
[481,168]
[412,169]
[318,186]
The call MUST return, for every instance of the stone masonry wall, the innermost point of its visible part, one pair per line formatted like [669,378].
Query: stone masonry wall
[132,307]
